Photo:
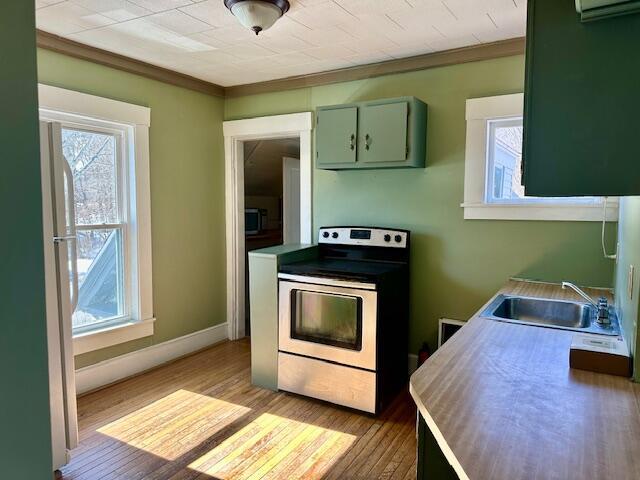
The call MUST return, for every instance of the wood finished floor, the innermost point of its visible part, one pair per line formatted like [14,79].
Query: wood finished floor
[200,418]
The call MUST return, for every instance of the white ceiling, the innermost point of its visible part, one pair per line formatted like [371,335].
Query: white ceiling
[202,38]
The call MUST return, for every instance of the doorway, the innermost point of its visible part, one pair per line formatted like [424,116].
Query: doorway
[246,141]
[271,198]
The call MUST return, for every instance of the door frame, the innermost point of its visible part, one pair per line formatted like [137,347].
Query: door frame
[287,163]
[236,132]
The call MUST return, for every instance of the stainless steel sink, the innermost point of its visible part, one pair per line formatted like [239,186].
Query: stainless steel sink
[560,314]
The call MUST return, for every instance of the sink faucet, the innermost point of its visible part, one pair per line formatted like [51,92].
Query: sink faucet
[602,307]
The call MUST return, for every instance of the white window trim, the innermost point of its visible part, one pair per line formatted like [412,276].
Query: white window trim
[478,113]
[61,103]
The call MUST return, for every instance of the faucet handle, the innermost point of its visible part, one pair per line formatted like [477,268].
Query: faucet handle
[603,311]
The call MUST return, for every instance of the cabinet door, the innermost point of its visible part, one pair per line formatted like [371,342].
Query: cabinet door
[431,462]
[336,132]
[383,133]
[581,103]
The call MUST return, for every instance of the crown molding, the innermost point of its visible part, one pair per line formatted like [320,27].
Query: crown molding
[485,51]
[75,49]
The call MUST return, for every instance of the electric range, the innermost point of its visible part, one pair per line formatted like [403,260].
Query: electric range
[343,318]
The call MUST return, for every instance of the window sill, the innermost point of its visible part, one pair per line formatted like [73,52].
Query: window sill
[112,335]
[548,212]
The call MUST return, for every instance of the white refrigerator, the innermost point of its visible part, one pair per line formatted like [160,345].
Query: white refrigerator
[61,281]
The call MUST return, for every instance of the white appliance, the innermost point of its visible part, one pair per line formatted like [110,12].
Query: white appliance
[61,284]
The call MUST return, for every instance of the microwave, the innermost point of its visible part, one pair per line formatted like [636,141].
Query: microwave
[255,221]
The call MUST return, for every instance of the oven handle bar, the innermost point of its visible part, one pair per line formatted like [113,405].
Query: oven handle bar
[330,282]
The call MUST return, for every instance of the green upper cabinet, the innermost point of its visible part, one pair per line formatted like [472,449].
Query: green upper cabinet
[384,133]
[582,97]
[389,133]
[336,132]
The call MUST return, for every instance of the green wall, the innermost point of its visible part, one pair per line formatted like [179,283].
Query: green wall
[187,195]
[629,254]
[25,442]
[457,264]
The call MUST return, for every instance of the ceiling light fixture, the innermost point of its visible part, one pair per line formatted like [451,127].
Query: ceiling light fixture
[257,15]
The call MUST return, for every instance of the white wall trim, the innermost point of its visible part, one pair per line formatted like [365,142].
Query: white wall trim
[118,368]
[495,107]
[478,112]
[77,103]
[112,335]
[267,127]
[412,363]
[551,212]
[236,132]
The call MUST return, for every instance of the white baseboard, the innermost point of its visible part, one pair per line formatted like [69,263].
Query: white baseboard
[110,371]
[412,363]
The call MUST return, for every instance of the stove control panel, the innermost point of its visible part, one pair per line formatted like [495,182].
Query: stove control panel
[365,236]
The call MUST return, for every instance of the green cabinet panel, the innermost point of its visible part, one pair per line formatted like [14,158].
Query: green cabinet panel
[383,133]
[389,133]
[336,130]
[431,462]
[581,103]
[263,296]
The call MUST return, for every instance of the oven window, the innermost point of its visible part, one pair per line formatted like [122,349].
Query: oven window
[327,318]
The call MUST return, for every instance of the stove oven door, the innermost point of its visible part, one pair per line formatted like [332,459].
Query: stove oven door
[329,321]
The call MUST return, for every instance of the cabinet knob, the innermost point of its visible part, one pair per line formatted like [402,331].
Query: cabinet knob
[367,141]
[352,143]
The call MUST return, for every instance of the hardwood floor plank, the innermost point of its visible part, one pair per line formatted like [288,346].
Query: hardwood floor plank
[346,467]
[408,447]
[199,417]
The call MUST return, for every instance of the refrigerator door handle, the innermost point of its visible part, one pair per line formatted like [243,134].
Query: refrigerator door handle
[63,238]
[72,233]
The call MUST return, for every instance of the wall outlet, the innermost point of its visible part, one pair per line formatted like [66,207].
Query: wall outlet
[630,279]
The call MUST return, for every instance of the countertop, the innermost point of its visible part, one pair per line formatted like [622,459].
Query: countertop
[502,403]
[281,249]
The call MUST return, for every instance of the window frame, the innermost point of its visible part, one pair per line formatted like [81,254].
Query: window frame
[480,113]
[123,138]
[131,125]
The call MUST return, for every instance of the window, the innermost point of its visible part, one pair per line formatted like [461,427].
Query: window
[96,160]
[493,170]
[504,155]
[105,145]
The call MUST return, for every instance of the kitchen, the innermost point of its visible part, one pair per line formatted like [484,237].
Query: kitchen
[464,246]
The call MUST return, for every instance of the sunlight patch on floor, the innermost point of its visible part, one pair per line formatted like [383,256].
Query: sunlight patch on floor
[175,424]
[275,447]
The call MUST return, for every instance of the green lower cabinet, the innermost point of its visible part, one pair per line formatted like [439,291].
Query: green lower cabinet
[432,464]
[388,133]
[263,296]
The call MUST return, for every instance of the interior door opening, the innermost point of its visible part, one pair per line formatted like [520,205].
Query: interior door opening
[271,198]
